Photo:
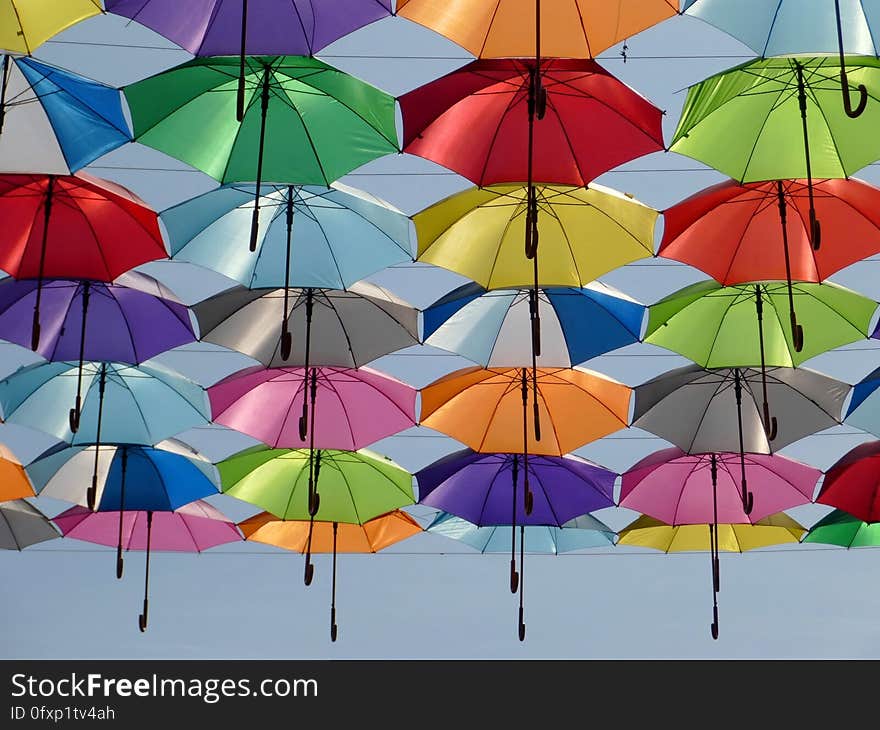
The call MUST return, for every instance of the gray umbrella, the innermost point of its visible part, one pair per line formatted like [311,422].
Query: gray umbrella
[22,525]
[705,411]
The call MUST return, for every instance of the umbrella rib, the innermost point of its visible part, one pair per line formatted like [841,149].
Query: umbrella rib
[191,533]
[696,464]
[828,127]
[309,39]
[741,240]
[836,311]
[261,248]
[538,479]
[514,100]
[296,480]
[722,383]
[331,386]
[754,149]
[488,491]
[18,545]
[503,234]
[489,28]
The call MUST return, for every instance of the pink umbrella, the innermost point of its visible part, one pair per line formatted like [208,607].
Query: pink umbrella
[194,527]
[352,408]
[692,489]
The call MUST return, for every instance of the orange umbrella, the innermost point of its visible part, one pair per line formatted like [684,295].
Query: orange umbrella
[506,28]
[330,537]
[14,481]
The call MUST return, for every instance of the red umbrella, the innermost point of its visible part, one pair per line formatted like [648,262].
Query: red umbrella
[853,483]
[74,227]
[761,231]
[475,121]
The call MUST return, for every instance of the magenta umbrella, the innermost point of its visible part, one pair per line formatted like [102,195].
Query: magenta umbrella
[351,408]
[693,489]
[195,527]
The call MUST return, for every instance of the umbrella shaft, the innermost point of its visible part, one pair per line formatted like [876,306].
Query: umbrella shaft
[4,78]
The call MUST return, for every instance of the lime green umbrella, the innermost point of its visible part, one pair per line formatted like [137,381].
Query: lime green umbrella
[719,326]
[781,117]
[304,122]
[841,528]
[354,486]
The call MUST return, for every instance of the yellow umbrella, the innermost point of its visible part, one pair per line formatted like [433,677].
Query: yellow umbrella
[330,537]
[584,233]
[26,24]
[647,532]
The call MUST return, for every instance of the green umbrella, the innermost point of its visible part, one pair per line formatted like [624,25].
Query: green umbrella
[718,326]
[304,122]
[840,528]
[355,486]
[781,117]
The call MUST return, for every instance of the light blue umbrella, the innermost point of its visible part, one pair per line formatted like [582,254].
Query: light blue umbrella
[863,410]
[54,121]
[788,27]
[136,405]
[576,324]
[308,236]
[577,534]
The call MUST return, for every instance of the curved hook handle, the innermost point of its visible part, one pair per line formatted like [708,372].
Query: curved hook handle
[142,618]
[815,231]
[35,331]
[120,562]
[797,336]
[771,426]
[529,501]
[314,503]
[514,577]
[92,493]
[309,571]
[748,502]
[286,342]
[73,416]
[303,426]
[847,101]
[334,629]
[714,626]
[255,228]
[522,626]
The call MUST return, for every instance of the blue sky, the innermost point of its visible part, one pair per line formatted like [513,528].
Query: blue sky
[429,598]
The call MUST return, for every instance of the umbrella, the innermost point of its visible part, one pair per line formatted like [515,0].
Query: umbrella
[308,235]
[127,478]
[192,528]
[862,411]
[128,324]
[568,28]
[23,525]
[355,486]
[694,409]
[331,537]
[578,534]
[740,219]
[99,231]
[782,27]
[840,528]
[578,324]
[778,529]
[27,25]
[358,407]
[781,118]
[224,27]
[54,120]
[304,121]
[351,327]
[14,481]
[474,121]
[852,483]
[482,489]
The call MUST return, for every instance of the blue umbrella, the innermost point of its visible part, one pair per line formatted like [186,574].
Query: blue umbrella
[53,120]
[127,478]
[863,410]
[789,27]
[577,324]
[578,534]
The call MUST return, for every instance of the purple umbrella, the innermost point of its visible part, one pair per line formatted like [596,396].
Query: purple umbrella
[481,488]
[271,27]
[90,320]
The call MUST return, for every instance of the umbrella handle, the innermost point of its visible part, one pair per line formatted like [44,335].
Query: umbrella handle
[120,562]
[714,625]
[797,334]
[92,492]
[309,571]
[286,342]
[35,331]
[314,503]
[73,415]
[815,231]
[717,574]
[333,627]
[536,334]
[255,227]
[770,423]
[529,501]
[142,618]
[852,113]
[522,625]
[303,424]
[748,502]
[514,576]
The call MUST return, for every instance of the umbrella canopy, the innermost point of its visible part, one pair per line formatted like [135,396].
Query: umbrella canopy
[214,27]
[370,537]
[577,324]
[129,477]
[754,109]
[14,481]
[478,488]
[308,235]
[676,488]
[482,409]
[719,326]
[696,409]
[840,528]
[724,230]
[647,532]
[355,408]
[313,122]
[581,533]
[122,323]
[474,122]
[345,328]
[25,25]
[862,411]
[569,28]
[121,403]
[54,120]
[853,483]
[584,233]
[23,525]
[355,486]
